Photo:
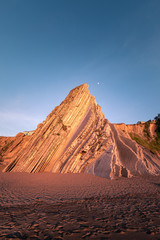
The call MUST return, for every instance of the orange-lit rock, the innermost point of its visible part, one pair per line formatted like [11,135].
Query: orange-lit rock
[76,137]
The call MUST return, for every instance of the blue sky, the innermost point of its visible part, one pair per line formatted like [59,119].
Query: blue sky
[49,47]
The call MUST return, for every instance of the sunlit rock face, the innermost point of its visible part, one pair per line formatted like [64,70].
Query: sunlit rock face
[75,137]
[69,140]
[131,158]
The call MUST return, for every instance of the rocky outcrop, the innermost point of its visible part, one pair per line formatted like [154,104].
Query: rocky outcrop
[73,136]
[76,137]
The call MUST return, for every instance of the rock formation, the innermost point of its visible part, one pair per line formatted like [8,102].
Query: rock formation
[76,137]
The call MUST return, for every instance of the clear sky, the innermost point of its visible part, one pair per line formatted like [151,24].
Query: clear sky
[49,47]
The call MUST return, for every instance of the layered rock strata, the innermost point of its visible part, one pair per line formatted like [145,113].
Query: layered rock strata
[76,137]
[72,136]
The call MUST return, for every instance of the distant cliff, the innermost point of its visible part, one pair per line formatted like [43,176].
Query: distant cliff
[76,137]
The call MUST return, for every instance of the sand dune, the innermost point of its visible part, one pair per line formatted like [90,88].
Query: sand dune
[78,206]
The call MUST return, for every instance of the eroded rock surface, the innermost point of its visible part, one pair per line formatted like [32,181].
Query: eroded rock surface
[132,158]
[76,137]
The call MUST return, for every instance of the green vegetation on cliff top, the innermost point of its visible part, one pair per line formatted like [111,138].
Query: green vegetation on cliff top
[152,145]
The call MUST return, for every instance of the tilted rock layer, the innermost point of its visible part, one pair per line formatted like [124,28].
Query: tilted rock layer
[76,137]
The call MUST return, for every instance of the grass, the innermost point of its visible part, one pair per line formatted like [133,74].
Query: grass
[146,129]
[153,145]
[158,127]
[64,127]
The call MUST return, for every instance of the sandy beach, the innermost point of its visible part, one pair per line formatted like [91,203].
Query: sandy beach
[78,206]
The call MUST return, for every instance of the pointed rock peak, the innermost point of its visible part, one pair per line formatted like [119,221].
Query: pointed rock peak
[80,88]
[84,85]
[79,92]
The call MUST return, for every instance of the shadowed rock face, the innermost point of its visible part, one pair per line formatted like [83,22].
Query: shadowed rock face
[75,137]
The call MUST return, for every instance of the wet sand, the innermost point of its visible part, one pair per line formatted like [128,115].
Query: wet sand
[78,206]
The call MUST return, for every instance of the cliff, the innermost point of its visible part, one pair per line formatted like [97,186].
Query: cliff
[76,137]
[144,134]
[133,148]
[72,136]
